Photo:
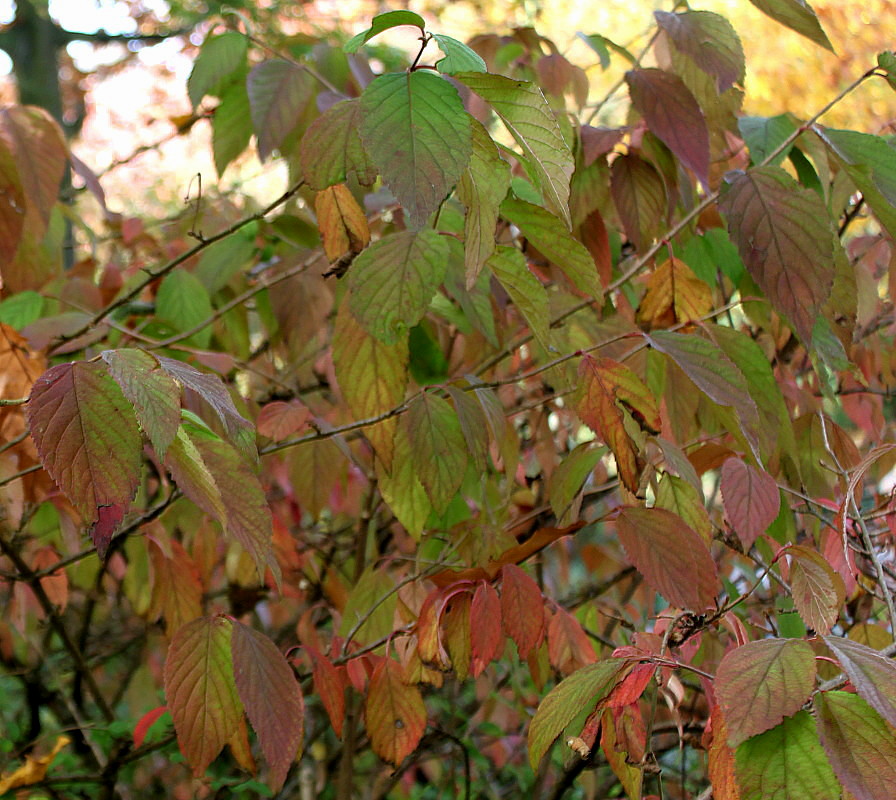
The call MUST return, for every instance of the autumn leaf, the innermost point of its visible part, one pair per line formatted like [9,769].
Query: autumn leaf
[522,609]
[394,713]
[674,294]
[751,500]
[342,223]
[818,591]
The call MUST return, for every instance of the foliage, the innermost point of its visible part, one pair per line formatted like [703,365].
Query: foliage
[496,428]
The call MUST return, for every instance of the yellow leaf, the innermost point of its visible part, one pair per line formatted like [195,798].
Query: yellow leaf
[341,221]
[674,294]
[33,770]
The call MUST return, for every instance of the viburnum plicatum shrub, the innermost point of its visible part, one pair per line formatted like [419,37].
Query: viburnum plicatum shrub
[518,447]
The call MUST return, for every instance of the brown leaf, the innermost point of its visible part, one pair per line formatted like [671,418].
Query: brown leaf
[342,222]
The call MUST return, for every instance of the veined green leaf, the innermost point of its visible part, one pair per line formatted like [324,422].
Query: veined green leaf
[524,111]
[183,302]
[415,128]
[798,16]
[383,22]
[509,266]
[763,135]
[458,57]
[220,62]
[568,478]
[231,126]
[438,448]
[332,149]
[401,487]
[392,282]
[372,599]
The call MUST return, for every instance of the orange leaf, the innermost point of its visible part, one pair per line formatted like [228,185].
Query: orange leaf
[674,294]
[568,645]
[330,684]
[342,222]
[176,588]
[278,420]
[56,583]
[394,713]
[522,609]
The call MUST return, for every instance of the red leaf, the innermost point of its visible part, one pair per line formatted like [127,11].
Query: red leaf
[88,441]
[522,609]
[761,683]
[569,647]
[329,684]
[598,141]
[279,420]
[145,723]
[672,113]
[487,639]
[394,713]
[751,500]
[200,690]
[630,688]
[671,555]
[639,195]
[272,698]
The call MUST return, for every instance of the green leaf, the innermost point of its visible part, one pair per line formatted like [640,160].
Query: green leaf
[20,310]
[153,393]
[760,683]
[332,149]
[639,195]
[231,126]
[798,16]
[392,282]
[860,745]
[415,128]
[673,558]
[554,241]
[221,62]
[871,163]
[785,763]
[710,40]
[278,93]
[401,488]
[458,57]
[315,469]
[509,266]
[582,690]
[383,22]
[221,261]
[784,236]
[763,135]
[218,479]
[872,673]
[677,495]
[524,111]
[183,302]
[272,698]
[711,251]
[481,189]
[200,690]
[672,113]
[371,602]
[473,425]
[568,478]
[438,448]
[886,60]
[88,440]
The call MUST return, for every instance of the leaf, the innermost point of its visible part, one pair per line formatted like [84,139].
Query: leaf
[342,223]
[798,16]
[316,468]
[401,488]
[568,478]
[786,763]
[394,713]
[706,364]
[671,556]
[456,624]
[392,282]
[224,485]
[608,391]
[818,591]
[481,189]
[280,420]
[383,22]
[860,745]
[751,498]
[219,62]
[871,163]
[762,682]
[34,770]
[438,448]
[672,113]
[12,205]
[677,495]
[176,586]
[522,108]
[183,302]
[332,149]
[598,141]
[200,690]
[508,265]
[458,57]
[569,647]
[873,674]
[584,689]
[372,377]
[414,127]
[329,685]
[41,156]
[764,135]
[222,260]
[710,40]
[89,442]
[231,126]
[674,294]
[278,93]
[212,389]
[486,635]
[544,230]
[153,393]
[272,698]
[522,609]
[784,237]
[639,195]
[145,723]
[371,603]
